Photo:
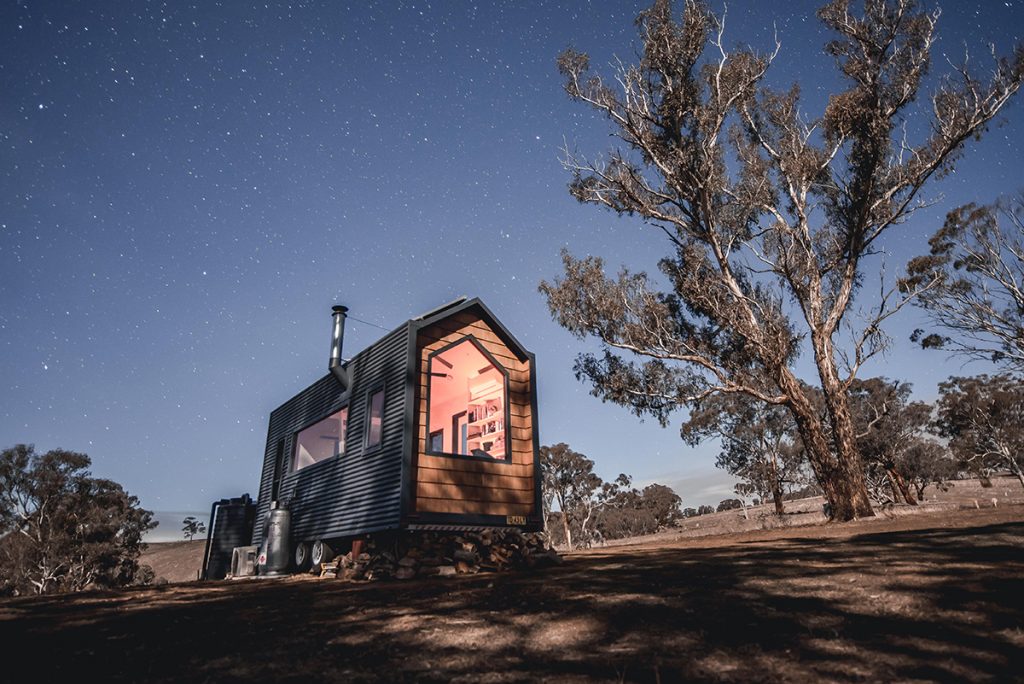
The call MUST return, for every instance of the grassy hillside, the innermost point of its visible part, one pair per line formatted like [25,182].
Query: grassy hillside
[175,561]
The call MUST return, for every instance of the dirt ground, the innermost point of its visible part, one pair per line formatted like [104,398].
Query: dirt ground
[934,596]
[180,561]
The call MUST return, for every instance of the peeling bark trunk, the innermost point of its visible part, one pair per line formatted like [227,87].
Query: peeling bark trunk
[836,462]
[584,537]
[852,500]
[819,454]
[899,486]
[777,488]
[1015,467]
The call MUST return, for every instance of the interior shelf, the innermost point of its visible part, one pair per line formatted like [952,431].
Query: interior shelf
[484,436]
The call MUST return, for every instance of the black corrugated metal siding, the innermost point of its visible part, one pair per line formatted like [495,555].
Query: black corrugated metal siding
[357,492]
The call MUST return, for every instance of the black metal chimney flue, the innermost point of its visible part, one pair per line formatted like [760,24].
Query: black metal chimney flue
[337,336]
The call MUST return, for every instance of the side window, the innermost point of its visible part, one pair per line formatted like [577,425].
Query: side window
[467,411]
[375,418]
[321,440]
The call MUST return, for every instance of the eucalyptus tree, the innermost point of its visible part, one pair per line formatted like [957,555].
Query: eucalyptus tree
[191,526]
[891,438]
[977,261]
[770,217]
[983,419]
[758,441]
[568,479]
[62,529]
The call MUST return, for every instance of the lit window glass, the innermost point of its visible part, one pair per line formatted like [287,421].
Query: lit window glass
[467,403]
[376,423]
[322,440]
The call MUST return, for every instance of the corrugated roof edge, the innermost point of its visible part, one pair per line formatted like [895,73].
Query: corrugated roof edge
[438,309]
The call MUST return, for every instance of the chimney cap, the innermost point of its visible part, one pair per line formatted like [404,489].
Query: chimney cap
[339,309]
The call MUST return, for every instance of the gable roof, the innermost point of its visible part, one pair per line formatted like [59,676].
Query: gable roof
[438,309]
[475,306]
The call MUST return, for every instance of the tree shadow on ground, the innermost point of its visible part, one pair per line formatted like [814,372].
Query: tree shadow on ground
[933,604]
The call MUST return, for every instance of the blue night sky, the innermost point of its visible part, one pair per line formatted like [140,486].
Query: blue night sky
[185,190]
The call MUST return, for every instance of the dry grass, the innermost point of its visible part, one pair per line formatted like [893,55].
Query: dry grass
[933,596]
[962,494]
[178,561]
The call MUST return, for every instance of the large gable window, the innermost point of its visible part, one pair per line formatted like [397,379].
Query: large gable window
[467,411]
[321,440]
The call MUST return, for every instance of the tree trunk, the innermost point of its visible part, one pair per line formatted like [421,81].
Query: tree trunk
[892,485]
[568,534]
[852,499]
[900,486]
[838,471]
[1015,467]
[808,425]
[777,488]
[584,537]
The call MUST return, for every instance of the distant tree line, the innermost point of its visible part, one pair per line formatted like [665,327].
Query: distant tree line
[62,530]
[975,427]
[590,509]
[732,504]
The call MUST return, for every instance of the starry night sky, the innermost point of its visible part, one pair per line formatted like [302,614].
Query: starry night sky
[185,190]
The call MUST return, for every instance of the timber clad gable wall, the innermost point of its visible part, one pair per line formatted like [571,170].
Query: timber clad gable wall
[467,485]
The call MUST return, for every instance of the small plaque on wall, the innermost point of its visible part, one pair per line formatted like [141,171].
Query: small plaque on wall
[515,520]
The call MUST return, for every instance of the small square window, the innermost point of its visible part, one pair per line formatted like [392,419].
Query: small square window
[437,441]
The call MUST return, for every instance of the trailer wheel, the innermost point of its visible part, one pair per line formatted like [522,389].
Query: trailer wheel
[322,553]
[301,558]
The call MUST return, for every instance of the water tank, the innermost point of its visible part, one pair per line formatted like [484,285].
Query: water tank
[276,555]
[231,522]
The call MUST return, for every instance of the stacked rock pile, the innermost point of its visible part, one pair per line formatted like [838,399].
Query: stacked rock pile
[423,554]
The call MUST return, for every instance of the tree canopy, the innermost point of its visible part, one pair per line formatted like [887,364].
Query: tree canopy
[976,263]
[891,437]
[191,526]
[759,444]
[983,419]
[591,508]
[62,529]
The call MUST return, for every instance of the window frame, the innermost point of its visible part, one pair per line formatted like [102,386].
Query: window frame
[435,433]
[292,469]
[368,404]
[507,404]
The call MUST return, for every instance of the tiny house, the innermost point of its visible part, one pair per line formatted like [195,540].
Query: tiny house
[434,426]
